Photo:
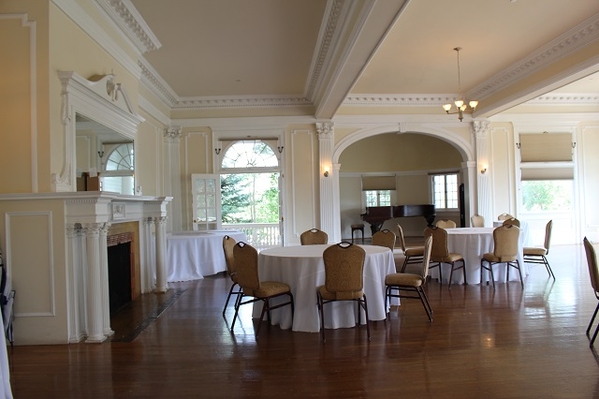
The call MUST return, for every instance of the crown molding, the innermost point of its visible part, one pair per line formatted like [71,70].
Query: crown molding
[241,102]
[399,100]
[156,84]
[566,99]
[124,14]
[88,25]
[572,40]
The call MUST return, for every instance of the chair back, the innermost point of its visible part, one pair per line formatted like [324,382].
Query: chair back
[439,249]
[511,221]
[228,245]
[592,263]
[505,242]
[246,267]
[401,238]
[344,269]
[477,220]
[384,238]
[426,260]
[548,228]
[314,236]
[504,216]
[446,224]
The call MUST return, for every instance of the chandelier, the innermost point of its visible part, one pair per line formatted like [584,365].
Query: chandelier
[461,105]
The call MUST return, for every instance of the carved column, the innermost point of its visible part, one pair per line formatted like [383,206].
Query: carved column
[95,315]
[148,253]
[172,140]
[327,176]
[104,277]
[483,189]
[76,278]
[161,267]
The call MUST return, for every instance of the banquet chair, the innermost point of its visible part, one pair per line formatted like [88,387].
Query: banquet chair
[314,236]
[504,216]
[477,220]
[513,221]
[384,238]
[411,254]
[446,224]
[505,250]
[539,254]
[412,282]
[440,254]
[594,274]
[228,245]
[343,281]
[246,270]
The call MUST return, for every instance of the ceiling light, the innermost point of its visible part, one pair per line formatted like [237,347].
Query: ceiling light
[461,105]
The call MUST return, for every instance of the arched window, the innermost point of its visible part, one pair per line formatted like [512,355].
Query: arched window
[249,154]
[118,174]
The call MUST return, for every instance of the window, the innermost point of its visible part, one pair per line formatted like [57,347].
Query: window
[445,191]
[378,197]
[547,195]
[118,175]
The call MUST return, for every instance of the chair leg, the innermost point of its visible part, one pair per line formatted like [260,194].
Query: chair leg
[265,309]
[228,297]
[365,305]
[464,270]
[405,263]
[237,305]
[519,272]
[425,302]
[548,267]
[320,303]
[592,319]
[594,336]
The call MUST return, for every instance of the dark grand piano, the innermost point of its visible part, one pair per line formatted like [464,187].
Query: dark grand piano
[377,215]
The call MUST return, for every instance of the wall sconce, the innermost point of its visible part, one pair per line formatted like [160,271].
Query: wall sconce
[483,170]
[326,172]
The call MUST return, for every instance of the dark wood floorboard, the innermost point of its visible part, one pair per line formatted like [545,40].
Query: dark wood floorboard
[511,343]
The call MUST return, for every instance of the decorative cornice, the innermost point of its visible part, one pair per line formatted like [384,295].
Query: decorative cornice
[399,100]
[566,99]
[241,102]
[572,40]
[325,44]
[156,84]
[128,19]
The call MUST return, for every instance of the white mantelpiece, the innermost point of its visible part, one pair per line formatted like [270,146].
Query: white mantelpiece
[56,255]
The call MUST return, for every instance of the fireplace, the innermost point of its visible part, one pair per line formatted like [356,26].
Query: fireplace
[121,270]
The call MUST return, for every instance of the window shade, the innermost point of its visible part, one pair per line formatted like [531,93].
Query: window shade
[546,147]
[378,183]
[564,173]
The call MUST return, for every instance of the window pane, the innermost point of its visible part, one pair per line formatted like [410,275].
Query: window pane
[384,197]
[547,195]
[452,191]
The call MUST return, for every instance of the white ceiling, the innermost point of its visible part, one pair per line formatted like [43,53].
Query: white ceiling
[326,50]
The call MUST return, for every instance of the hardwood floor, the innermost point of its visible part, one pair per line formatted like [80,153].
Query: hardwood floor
[511,343]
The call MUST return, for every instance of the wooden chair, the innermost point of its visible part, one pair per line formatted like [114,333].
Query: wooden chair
[477,220]
[505,250]
[314,236]
[228,245]
[539,254]
[344,280]
[384,238]
[411,254]
[510,221]
[594,274]
[446,224]
[412,282]
[246,270]
[440,254]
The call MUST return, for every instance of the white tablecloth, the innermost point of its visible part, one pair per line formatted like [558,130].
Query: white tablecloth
[472,243]
[302,267]
[191,255]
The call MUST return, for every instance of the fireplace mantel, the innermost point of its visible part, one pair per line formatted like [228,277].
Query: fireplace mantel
[55,248]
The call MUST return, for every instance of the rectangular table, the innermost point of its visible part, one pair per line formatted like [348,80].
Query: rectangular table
[191,255]
[302,267]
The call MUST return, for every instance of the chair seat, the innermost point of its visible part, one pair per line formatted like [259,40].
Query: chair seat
[539,251]
[405,279]
[414,251]
[267,289]
[339,295]
[490,257]
[450,258]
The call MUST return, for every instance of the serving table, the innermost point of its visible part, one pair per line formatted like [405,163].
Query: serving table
[302,268]
[191,255]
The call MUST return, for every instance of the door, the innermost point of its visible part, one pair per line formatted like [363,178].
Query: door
[206,201]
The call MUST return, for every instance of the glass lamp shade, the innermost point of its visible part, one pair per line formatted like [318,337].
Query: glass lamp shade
[459,103]
[473,104]
[447,107]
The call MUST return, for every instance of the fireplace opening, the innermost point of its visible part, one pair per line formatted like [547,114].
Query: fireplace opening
[120,271]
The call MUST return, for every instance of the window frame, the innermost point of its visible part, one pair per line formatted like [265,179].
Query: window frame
[445,186]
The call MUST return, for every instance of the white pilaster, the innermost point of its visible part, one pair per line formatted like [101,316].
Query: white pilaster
[327,179]
[484,201]
[161,267]
[104,278]
[172,140]
[95,330]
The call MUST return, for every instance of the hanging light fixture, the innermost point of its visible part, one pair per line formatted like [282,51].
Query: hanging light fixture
[461,105]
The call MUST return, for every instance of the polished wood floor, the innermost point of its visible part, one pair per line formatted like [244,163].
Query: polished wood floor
[511,343]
